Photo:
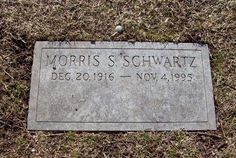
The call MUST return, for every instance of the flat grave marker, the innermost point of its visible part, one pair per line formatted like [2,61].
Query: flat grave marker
[121,86]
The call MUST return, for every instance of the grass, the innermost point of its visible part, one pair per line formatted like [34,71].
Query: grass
[23,22]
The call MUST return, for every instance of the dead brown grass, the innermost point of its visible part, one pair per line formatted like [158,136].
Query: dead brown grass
[23,22]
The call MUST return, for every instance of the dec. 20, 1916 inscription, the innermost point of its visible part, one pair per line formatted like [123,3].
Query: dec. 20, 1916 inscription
[121,86]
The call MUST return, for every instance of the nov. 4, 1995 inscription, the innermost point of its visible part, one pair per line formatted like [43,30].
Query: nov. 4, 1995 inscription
[121,86]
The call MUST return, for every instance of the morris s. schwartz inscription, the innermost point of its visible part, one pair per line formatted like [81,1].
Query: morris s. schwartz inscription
[121,86]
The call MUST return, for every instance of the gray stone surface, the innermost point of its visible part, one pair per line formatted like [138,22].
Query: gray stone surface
[121,86]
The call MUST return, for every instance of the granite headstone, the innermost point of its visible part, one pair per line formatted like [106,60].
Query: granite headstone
[121,86]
